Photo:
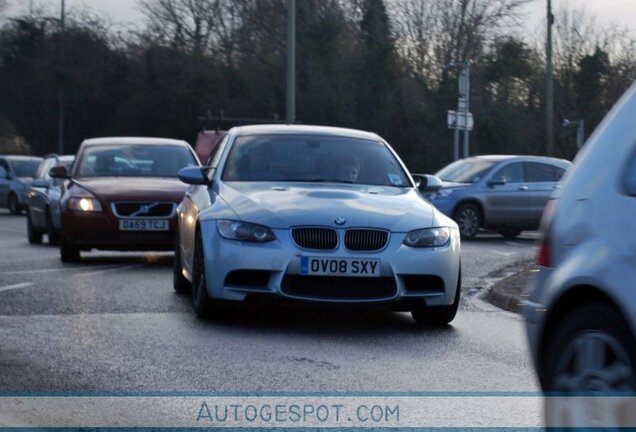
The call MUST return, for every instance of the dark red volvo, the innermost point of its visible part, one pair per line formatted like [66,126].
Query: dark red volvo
[122,195]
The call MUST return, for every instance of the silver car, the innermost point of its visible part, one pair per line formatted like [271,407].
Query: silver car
[16,173]
[314,214]
[43,213]
[581,308]
[501,192]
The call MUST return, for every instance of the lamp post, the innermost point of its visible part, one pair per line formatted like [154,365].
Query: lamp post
[291,62]
[60,126]
[580,131]
[463,107]
[549,86]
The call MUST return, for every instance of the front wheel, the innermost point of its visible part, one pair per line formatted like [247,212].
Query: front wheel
[179,283]
[591,350]
[468,218]
[13,204]
[54,236]
[34,236]
[69,253]
[203,305]
[439,315]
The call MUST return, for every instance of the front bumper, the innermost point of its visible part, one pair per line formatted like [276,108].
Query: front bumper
[101,231]
[408,277]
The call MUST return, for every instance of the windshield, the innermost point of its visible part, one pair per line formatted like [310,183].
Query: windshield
[313,159]
[465,170]
[134,160]
[25,168]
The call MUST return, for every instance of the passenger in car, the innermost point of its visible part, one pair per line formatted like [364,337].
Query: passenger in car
[348,168]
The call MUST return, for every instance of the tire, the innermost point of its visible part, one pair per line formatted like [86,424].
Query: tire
[436,316]
[510,233]
[203,305]
[69,253]
[54,236]
[468,218]
[571,362]
[34,236]
[13,204]
[179,282]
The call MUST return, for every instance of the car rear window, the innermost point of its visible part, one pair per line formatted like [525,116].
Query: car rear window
[540,172]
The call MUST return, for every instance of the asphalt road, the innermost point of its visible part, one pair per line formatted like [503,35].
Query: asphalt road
[113,323]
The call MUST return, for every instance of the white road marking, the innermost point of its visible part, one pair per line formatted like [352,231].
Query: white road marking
[51,270]
[505,254]
[95,273]
[16,286]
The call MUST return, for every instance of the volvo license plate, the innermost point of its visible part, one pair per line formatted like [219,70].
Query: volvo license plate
[144,225]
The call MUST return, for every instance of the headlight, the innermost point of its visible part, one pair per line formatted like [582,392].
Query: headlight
[84,204]
[243,231]
[424,238]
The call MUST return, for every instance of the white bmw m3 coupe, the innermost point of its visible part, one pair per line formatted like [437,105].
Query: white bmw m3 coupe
[314,214]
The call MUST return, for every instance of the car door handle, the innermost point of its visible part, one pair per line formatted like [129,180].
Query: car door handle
[523,188]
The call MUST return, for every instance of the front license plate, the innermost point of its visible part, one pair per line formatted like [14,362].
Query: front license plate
[143,225]
[319,266]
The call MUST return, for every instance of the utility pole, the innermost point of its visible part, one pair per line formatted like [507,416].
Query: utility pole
[291,62]
[549,87]
[465,88]
[462,118]
[60,126]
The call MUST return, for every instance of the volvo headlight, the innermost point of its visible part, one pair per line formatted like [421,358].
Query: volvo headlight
[427,238]
[243,231]
[84,204]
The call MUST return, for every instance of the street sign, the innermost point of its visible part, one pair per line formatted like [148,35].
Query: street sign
[461,104]
[463,82]
[452,118]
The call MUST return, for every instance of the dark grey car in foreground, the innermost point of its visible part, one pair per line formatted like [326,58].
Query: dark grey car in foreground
[500,192]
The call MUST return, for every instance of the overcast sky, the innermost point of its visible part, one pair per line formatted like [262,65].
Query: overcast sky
[621,12]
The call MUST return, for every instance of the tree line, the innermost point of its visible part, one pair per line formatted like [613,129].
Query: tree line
[371,64]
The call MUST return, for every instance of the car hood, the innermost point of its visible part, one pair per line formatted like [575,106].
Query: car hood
[278,206]
[134,188]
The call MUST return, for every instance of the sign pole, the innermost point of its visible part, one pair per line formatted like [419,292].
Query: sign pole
[466,77]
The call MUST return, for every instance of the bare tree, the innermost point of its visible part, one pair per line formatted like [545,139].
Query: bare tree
[436,32]
[186,24]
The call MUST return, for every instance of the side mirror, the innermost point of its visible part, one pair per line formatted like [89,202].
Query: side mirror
[194,175]
[501,181]
[40,183]
[427,183]
[59,172]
